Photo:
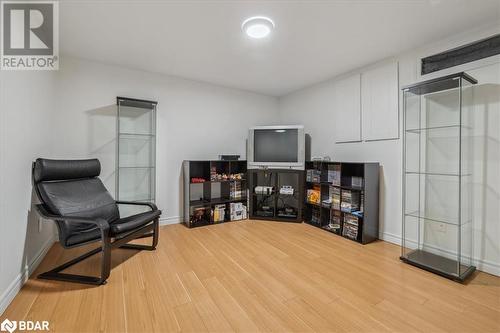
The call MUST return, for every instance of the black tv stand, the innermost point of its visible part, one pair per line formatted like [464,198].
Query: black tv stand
[278,205]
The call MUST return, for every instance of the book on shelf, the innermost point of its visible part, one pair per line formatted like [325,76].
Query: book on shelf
[314,195]
[335,197]
[219,213]
[350,227]
[315,216]
[313,175]
[333,176]
[350,201]
[335,223]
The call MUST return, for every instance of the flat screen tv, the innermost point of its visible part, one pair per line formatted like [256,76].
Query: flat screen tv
[276,147]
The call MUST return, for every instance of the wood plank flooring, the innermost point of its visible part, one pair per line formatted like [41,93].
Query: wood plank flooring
[259,276]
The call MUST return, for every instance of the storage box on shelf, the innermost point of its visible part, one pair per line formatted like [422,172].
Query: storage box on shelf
[214,192]
[343,198]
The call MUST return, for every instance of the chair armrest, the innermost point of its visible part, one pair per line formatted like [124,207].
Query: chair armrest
[98,222]
[136,203]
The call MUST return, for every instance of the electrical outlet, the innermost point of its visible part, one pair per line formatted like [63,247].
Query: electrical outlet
[40,222]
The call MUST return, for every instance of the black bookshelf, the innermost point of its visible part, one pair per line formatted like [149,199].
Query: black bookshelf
[276,206]
[343,198]
[212,184]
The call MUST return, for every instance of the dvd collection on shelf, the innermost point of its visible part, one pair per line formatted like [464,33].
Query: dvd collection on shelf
[334,174]
[315,216]
[346,208]
[351,224]
[235,190]
[350,201]
[335,198]
[335,224]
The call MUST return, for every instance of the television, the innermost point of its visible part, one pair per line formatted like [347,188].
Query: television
[276,147]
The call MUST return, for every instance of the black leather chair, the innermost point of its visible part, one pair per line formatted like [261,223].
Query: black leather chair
[72,195]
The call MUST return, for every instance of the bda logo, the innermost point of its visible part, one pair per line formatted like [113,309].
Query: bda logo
[24,325]
[8,325]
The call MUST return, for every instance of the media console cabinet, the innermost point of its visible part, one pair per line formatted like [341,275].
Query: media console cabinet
[284,199]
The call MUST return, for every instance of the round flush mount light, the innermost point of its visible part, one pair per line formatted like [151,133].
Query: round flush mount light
[257,26]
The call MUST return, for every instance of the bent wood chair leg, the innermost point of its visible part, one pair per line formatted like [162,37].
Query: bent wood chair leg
[54,274]
[154,234]
[106,247]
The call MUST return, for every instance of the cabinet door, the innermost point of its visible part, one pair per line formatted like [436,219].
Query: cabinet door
[347,109]
[379,103]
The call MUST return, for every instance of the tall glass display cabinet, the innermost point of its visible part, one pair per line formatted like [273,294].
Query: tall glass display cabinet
[437,181]
[135,159]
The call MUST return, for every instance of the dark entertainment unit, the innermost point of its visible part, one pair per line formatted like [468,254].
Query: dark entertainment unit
[214,192]
[343,198]
[276,194]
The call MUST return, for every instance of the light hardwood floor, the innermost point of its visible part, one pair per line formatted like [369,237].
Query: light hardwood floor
[259,276]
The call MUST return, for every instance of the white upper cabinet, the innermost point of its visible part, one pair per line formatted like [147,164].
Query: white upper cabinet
[347,109]
[379,103]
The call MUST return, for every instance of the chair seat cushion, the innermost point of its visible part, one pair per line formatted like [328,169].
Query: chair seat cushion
[133,222]
[120,226]
[83,236]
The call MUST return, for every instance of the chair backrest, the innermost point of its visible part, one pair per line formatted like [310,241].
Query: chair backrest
[72,188]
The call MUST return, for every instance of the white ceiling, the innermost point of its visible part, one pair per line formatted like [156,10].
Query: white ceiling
[313,40]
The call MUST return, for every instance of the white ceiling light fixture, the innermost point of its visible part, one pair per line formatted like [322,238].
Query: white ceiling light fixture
[257,26]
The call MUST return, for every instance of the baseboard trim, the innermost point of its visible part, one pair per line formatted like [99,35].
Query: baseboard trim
[481,265]
[16,285]
[390,238]
[170,220]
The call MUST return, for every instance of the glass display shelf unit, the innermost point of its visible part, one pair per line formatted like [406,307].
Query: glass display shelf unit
[136,150]
[437,200]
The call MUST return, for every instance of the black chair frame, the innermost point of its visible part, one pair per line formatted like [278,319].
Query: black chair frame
[107,243]
[150,230]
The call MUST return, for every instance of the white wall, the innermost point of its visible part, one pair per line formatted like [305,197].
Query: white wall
[314,107]
[194,121]
[26,109]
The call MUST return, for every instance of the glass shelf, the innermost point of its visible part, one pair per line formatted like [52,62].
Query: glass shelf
[417,130]
[447,220]
[133,135]
[136,167]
